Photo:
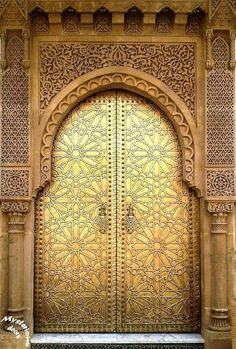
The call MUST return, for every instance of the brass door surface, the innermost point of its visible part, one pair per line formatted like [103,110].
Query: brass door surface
[117,242]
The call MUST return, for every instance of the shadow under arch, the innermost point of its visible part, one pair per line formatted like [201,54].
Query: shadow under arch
[112,78]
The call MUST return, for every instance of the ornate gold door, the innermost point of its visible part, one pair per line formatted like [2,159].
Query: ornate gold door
[117,244]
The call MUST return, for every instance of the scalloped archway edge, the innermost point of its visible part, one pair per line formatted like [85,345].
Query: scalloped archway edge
[129,79]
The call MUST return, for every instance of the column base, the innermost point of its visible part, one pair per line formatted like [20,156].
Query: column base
[220,320]
[14,314]
[218,340]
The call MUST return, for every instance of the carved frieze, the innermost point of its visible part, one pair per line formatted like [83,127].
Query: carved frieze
[133,21]
[15,206]
[118,6]
[61,63]
[220,182]
[220,207]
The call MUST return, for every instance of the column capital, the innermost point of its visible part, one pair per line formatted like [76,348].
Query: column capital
[15,206]
[220,207]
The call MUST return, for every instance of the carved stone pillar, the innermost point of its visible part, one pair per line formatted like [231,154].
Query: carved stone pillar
[3,61]
[209,59]
[16,214]
[26,61]
[219,311]
[232,62]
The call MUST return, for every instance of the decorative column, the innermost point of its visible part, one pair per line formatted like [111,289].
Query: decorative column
[232,62]
[26,60]
[209,60]
[220,312]
[16,213]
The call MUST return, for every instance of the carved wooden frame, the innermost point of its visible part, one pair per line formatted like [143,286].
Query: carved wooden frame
[124,78]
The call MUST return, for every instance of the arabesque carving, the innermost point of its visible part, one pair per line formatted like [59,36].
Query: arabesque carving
[61,63]
[223,207]
[15,206]
[106,80]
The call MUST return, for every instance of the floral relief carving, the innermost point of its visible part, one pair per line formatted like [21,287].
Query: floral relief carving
[107,80]
[14,183]
[220,183]
[220,107]
[14,206]
[15,106]
[61,63]
[220,207]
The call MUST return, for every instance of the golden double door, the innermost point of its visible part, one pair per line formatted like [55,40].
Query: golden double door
[117,243]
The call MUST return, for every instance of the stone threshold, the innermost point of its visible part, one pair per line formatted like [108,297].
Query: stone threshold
[117,338]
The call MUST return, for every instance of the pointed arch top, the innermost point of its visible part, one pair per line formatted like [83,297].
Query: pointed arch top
[122,78]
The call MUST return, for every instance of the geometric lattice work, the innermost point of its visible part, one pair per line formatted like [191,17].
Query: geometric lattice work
[15,109]
[220,107]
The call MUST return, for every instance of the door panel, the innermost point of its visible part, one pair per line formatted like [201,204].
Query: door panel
[157,278]
[75,283]
[117,244]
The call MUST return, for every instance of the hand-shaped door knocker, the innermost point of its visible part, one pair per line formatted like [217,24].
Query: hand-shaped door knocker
[102,219]
[130,219]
